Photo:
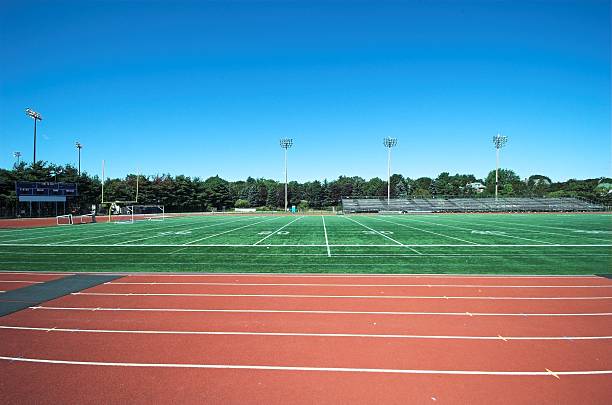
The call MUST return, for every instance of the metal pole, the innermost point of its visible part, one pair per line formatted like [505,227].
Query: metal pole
[286,180]
[496,171]
[34,141]
[388,177]
[79,161]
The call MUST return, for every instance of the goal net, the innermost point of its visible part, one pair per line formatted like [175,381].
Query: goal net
[85,219]
[64,219]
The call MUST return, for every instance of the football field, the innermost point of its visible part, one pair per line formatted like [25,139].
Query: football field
[484,244]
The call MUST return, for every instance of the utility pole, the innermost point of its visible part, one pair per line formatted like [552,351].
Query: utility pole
[389,143]
[286,143]
[36,117]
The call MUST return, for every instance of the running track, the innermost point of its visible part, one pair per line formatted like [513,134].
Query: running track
[312,339]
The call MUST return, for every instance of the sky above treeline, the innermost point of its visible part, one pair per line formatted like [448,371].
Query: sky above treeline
[208,88]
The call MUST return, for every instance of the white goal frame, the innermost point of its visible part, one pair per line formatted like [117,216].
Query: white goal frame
[68,216]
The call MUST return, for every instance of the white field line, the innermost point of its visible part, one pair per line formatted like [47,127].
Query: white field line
[311,275]
[495,233]
[547,373]
[358,285]
[581,236]
[326,240]
[557,227]
[141,230]
[323,312]
[190,244]
[1,291]
[275,232]
[428,297]
[303,334]
[21,281]
[223,233]
[382,234]
[424,230]
[190,229]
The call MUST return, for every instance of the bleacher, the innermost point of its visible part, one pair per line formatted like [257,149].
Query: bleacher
[424,205]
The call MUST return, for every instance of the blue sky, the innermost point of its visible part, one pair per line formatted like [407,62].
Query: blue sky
[206,88]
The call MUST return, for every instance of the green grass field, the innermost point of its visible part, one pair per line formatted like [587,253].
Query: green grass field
[511,244]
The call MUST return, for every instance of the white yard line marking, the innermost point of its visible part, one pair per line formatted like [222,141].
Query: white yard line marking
[496,233]
[190,229]
[344,296]
[359,285]
[223,233]
[275,232]
[299,368]
[424,230]
[326,240]
[382,234]
[324,312]
[302,334]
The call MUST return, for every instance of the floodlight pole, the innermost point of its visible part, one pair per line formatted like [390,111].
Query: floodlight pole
[286,143]
[389,143]
[499,141]
[18,156]
[36,117]
[79,146]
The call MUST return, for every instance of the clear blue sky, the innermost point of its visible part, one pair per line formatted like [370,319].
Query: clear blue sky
[206,88]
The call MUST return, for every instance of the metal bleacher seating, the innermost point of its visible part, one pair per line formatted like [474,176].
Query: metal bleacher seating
[512,204]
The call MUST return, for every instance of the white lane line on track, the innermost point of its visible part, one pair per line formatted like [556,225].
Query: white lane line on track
[275,232]
[300,368]
[323,312]
[222,233]
[326,240]
[383,235]
[359,285]
[431,232]
[313,275]
[21,281]
[303,334]
[343,296]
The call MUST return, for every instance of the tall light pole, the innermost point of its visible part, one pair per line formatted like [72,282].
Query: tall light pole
[17,155]
[499,141]
[389,143]
[79,146]
[36,117]
[286,143]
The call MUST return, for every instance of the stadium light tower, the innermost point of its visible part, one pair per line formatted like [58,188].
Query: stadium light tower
[499,141]
[389,143]
[17,156]
[79,146]
[286,143]
[36,117]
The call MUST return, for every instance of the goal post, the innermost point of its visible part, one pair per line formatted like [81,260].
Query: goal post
[64,219]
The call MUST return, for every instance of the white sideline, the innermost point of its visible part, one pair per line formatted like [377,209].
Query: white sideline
[399,244]
[324,312]
[342,296]
[299,368]
[303,334]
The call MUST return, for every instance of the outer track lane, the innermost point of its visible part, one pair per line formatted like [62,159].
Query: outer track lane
[313,323]
[127,288]
[372,279]
[417,354]
[52,384]
[336,304]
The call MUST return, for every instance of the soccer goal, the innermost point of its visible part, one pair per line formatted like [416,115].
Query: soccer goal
[86,219]
[64,219]
[151,212]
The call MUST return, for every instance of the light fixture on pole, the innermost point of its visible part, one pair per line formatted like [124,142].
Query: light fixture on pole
[286,143]
[79,146]
[499,141]
[389,143]
[17,156]
[36,117]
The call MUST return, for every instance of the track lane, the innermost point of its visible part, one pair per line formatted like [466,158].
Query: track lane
[302,351]
[313,323]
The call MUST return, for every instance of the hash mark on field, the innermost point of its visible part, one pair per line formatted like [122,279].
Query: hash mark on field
[277,231]
[383,235]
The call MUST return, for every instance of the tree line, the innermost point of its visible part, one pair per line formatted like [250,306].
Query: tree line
[184,194]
